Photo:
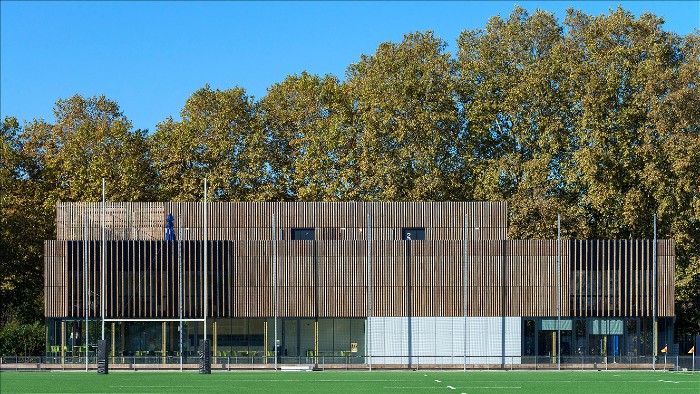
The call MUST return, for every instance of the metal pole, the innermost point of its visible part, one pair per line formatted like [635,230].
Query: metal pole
[205,260]
[369,292]
[654,322]
[179,281]
[103,296]
[85,280]
[274,281]
[464,290]
[559,291]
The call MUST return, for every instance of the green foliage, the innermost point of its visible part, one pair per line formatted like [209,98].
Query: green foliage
[312,152]
[405,120]
[594,118]
[90,140]
[22,339]
[23,229]
[515,99]
[218,138]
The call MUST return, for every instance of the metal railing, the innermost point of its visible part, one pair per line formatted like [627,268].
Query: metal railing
[256,361]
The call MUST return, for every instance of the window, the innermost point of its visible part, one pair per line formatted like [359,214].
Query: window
[302,234]
[414,234]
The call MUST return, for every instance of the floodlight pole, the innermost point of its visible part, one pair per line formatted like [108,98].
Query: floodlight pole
[274,282]
[85,280]
[179,280]
[559,292]
[104,263]
[654,306]
[205,260]
[369,292]
[464,289]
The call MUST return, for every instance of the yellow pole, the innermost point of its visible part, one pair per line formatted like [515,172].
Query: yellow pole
[113,337]
[265,329]
[554,346]
[215,336]
[316,342]
[63,342]
[121,336]
[165,328]
[605,348]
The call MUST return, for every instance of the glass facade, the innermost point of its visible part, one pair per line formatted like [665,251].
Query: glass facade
[232,340]
[607,339]
[302,340]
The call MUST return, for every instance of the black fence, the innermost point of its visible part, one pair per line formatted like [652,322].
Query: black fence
[261,361]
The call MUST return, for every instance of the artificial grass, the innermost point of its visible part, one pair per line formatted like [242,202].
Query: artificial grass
[375,382]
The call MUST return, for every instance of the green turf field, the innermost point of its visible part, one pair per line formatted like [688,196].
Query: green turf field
[352,382]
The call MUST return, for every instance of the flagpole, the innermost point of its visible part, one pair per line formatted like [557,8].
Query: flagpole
[692,355]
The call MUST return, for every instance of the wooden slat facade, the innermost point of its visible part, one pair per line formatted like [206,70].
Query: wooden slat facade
[55,279]
[615,277]
[328,276]
[253,221]
[516,278]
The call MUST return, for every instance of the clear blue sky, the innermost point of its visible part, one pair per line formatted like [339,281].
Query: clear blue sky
[150,56]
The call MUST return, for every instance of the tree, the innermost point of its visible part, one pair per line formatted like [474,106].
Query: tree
[406,121]
[90,140]
[637,123]
[313,152]
[218,138]
[672,175]
[514,94]
[44,163]
[21,235]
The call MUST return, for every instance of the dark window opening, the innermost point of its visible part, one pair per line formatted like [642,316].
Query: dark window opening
[414,234]
[302,234]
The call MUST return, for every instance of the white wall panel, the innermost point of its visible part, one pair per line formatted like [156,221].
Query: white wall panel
[439,340]
[445,349]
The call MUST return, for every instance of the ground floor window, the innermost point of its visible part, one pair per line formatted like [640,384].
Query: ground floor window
[239,338]
[594,337]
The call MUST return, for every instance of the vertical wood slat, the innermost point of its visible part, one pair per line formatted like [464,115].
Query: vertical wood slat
[624,286]
[56,283]
[146,221]
[437,263]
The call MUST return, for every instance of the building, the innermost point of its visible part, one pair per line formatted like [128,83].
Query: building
[383,284]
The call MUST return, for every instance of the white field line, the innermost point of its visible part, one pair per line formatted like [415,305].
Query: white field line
[495,387]
[141,386]
[412,387]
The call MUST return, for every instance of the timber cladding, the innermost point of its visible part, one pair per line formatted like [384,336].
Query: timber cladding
[330,279]
[253,220]
[461,267]
[615,278]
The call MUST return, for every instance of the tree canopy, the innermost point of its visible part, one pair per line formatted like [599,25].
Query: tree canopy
[594,117]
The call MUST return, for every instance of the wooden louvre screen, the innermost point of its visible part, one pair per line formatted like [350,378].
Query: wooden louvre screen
[328,276]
